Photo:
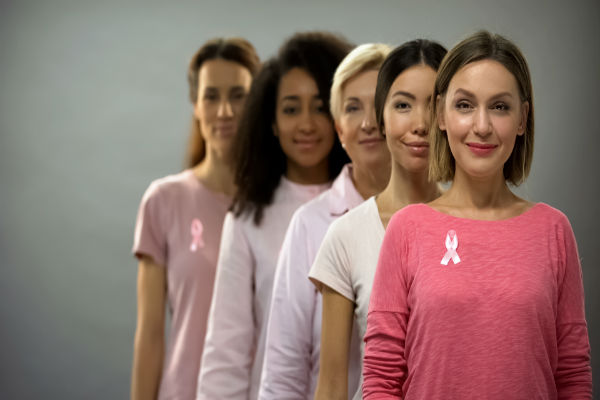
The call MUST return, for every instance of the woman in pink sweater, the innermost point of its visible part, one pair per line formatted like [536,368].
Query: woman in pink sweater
[478,294]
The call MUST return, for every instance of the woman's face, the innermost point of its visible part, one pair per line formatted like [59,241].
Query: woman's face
[482,115]
[406,117]
[222,89]
[356,126]
[302,123]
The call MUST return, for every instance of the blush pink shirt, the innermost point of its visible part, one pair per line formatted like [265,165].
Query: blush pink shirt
[470,309]
[235,342]
[179,226]
[291,365]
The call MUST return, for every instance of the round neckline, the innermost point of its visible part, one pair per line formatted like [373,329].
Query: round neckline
[306,186]
[192,176]
[510,219]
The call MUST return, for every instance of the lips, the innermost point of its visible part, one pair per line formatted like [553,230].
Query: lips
[306,144]
[482,149]
[417,148]
[371,141]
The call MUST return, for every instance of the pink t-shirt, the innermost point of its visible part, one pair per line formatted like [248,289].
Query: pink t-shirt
[470,309]
[179,225]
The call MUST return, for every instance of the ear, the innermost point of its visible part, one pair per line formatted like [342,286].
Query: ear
[524,115]
[439,106]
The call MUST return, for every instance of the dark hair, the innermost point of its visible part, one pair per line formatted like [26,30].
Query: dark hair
[260,161]
[483,46]
[234,49]
[409,54]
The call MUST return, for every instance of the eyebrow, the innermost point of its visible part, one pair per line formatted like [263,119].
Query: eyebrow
[405,94]
[348,99]
[294,97]
[470,94]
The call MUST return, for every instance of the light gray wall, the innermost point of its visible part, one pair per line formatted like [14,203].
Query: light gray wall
[93,106]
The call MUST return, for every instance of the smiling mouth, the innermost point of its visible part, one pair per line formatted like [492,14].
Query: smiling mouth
[482,149]
[306,143]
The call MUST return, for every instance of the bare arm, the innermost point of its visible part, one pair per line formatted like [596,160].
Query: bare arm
[149,343]
[336,332]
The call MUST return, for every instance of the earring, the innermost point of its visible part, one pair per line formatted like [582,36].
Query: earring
[343,145]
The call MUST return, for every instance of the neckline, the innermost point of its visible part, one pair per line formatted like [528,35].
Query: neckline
[510,219]
[199,184]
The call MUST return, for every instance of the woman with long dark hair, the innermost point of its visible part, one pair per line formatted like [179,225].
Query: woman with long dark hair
[287,154]
[179,226]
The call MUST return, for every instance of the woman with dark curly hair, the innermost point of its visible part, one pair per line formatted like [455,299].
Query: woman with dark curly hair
[287,153]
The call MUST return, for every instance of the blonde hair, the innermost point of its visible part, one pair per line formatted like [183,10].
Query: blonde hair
[365,57]
[482,46]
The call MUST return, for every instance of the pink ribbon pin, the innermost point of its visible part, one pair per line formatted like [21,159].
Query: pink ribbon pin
[451,246]
[196,231]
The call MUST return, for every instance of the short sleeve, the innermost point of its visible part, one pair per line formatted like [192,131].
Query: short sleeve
[150,235]
[573,374]
[331,265]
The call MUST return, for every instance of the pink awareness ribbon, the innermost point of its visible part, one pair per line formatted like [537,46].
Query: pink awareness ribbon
[196,231]
[451,246]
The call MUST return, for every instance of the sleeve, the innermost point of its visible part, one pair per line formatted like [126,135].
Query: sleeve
[288,362]
[331,265]
[384,364]
[573,374]
[230,339]
[150,234]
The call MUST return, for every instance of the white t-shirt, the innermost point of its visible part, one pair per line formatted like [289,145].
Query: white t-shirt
[347,260]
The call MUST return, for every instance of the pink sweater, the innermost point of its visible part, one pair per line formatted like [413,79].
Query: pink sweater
[468,309]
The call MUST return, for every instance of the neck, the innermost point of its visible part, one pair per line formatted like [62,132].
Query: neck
[405,188]
[216,173]
[370,180]
[468,192]
[314,175]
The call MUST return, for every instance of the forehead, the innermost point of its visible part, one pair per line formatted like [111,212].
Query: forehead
[484,77]
[361,84]
[297,82]
[220,73]
[417,80]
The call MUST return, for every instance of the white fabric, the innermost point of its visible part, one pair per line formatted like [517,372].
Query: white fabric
[234,348]
[347,260]
[291,365]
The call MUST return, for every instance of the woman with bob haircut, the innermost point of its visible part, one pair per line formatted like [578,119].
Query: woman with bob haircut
[345,264]
[287,155]
[478,294]
[291,363]
[179,226]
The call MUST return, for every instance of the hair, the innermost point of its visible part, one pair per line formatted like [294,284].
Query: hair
[363,58]
[482,46]
[403,57]
[233,49]
[260,161]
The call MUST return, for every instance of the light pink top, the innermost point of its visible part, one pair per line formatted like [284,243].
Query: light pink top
[291,366]
[179,226]
[235,342]
[469,309]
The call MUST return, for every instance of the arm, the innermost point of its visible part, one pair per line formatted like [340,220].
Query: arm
[384,365]
[230,339]
[288,363]
[573,374]
[149,336]
[336,331]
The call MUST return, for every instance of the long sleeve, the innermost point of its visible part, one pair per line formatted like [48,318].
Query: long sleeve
[573,374]
[230,340]
[288,364]
[384,363]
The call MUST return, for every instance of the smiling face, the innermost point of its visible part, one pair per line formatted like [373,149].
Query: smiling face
[222,89]
[406,117]
[357,126]
[482,114]
[302,123]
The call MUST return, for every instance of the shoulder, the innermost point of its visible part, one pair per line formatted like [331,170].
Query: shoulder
[360,217]
[411,215]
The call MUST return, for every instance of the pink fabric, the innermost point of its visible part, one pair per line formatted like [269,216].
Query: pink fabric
[235,342]
[503,320]
[179,225]
[291,365]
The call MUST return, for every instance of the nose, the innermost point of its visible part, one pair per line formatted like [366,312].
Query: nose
[420,123]
[307,122]
[225,110]
[482,123]
[368,123]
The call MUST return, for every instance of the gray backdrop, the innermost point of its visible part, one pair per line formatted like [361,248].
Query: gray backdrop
[94,106]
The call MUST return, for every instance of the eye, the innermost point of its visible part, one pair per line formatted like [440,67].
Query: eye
[289,110]
[211,96]
[237,96]
[463,105]
[503,107]
[401,106]
[350,109]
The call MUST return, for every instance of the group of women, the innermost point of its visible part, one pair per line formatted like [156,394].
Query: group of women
[309,251]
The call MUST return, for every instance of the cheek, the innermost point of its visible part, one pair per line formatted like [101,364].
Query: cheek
[397,125]
[349,126]
[325,126]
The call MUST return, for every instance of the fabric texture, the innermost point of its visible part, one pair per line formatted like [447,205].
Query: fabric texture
[235,342]
[179,226]
[291,365]
[346,263]
[503,319]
